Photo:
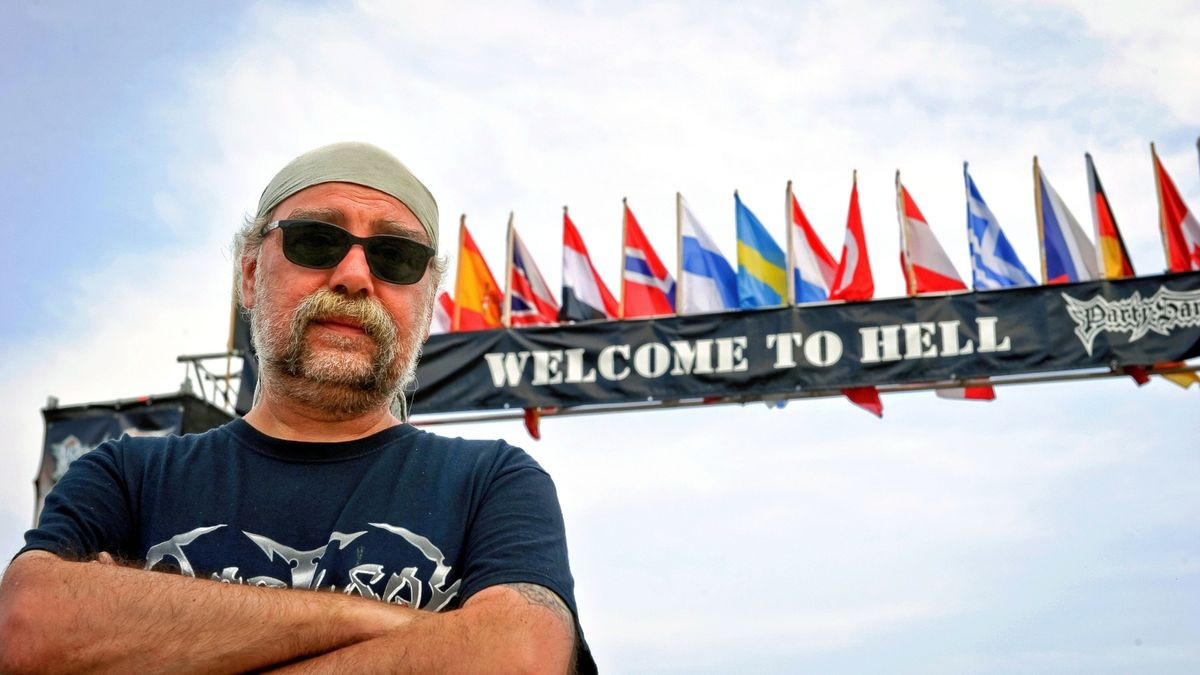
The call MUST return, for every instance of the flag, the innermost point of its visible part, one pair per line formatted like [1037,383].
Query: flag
[443,314]
[1067,253]
[584,295]
[927,268]
[532,418]
[866,398]
[707,282]
[647,289]
[994,262]
[812,266]
[478,298]
[530,300]
[977,393]
[853,280]
[761,277]
[1181,232]
[1113,256]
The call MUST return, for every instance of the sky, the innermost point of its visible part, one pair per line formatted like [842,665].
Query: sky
[1050,531]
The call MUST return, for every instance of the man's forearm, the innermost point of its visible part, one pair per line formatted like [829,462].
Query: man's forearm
[58,615]
[517,628]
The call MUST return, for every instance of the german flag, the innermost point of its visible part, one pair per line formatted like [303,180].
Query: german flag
[1114,257]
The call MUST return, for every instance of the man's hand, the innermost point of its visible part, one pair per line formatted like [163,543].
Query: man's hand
[99,616]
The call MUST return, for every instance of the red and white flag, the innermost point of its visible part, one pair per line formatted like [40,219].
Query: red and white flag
[927,269]
[585,297]
[853,280]
[443,314]
[1181,232]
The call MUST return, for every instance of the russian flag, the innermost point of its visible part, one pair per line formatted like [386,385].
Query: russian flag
[1067,253]
[707,282]
[584,295]
[812,266]
[647,289]
[530,301]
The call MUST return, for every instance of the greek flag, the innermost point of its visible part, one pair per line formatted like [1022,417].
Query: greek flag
[993,260]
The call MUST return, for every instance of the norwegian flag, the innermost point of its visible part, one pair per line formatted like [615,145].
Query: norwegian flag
[853,280]
[647,289]
[530,301]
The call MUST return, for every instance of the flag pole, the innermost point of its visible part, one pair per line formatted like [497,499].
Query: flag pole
[909,280]
[1162,216]
[791,249]
[679,285]
[624,242]
[1041,226]
[233,311]
[506,317]
[458,273]
[1093,193]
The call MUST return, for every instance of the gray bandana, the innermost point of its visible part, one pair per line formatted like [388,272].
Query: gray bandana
[358,163]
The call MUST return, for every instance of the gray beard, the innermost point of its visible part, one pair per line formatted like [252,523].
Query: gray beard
[342,384]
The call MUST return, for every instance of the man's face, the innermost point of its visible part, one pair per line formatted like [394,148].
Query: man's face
[338,339]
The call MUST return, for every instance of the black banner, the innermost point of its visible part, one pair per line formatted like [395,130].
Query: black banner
[816,348]
[72,431]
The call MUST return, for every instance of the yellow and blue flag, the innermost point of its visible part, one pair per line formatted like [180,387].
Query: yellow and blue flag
[762,265]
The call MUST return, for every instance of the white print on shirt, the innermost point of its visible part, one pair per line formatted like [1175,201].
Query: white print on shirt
[364,578]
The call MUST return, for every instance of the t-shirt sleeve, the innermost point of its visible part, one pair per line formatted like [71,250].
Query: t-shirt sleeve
[518,536]
[517,532]
[88,511]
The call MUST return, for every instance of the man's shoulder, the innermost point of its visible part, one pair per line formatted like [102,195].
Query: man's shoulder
[483,454]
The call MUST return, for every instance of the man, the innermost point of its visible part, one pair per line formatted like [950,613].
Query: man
[445,555]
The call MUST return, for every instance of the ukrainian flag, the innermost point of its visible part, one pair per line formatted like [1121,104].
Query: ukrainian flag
[762,265]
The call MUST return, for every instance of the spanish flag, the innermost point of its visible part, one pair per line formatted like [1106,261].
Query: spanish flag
[477,297]
[1114,257]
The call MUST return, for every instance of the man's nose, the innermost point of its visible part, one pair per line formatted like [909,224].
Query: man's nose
[352,276]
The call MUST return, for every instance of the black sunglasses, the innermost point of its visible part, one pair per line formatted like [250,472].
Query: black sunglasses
[318,245]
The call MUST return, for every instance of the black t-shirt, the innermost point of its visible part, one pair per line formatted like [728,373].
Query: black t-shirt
[402,516]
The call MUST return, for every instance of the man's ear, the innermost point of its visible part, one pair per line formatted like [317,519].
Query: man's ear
[249,267]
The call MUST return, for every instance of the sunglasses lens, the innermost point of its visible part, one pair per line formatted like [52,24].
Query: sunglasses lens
[313,244]
[397,260]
